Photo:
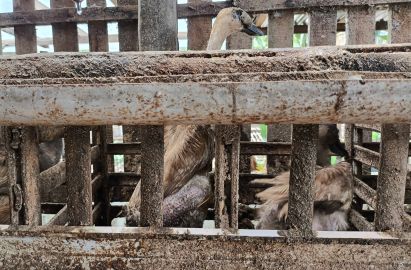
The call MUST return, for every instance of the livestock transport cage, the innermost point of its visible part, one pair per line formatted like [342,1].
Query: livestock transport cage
[47,96]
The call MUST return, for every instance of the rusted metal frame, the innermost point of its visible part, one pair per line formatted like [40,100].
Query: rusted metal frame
[226,180]
[392,177]
[12,144]
[60,219]
[78,175]
[372,127]
[107,166]
[361,25]
[245,160]
[105,247]
[400,23]
[366,193]
[128,41]
[30,170]
[28,147]
[264,6]
[97,30]
[198,29]
[265,148]
[157,28]
[165,65]
[308,101]
[367,156]
[98,40]
[302,174]
[280,35]
[360,222]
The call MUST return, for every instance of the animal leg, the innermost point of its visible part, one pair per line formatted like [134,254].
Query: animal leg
[182,207]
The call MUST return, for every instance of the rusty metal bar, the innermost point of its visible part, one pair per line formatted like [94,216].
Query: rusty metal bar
[78,173]
[280,35]
[392,177]
[264,6]
[366,193]
[158,31]
[360,222]
[227,148]
[152,176]
[323,26]
[128,41]
[60,218]
[302,174]
[401,23]
[307,102]
[372,127]
[367,156]
[30,170]
[198,29]
[97,30]
[361,25]
[392,58]
[105,247]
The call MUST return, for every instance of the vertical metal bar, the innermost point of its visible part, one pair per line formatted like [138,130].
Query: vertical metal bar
[280,29]
[128,41]
[361,25]
[12,145]
[226,175]
[394,145]
[128,30]
[25,35]
[323,26]
[30,176]
[97,30]
[157,27]
[302,174]
[65,37]
[361,30]
[401,23]
[26,42]
[280,35]
[78,174]
[198,30]
[98,38]
[152,175]
[392,176]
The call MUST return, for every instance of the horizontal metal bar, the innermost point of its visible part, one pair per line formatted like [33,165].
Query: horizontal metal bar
[264,6]
[372,127]
[124,148]
[208,103]
[148,248]
[366,156]
[366,193]
[129,12]
[96,67]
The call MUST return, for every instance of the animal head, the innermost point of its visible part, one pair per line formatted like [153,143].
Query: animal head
[236,20]
[329,139]
[228,21]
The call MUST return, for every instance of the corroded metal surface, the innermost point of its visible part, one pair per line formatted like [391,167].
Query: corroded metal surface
[137,248]
[288,101]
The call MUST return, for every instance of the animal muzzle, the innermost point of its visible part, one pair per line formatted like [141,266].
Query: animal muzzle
[252,30]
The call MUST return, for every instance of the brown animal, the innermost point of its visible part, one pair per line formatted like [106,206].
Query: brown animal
[189,149]
[333,196]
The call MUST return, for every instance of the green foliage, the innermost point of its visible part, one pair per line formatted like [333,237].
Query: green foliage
[381,37]
[300,40]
